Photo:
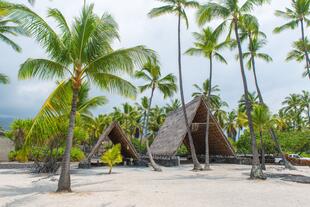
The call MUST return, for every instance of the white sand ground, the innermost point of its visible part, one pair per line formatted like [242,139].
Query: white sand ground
[224,186]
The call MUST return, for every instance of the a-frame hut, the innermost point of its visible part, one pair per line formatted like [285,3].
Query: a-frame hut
[116,135]
[173,133]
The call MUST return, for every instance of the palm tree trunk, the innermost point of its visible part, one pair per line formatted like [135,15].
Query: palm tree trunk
[256,172]
[191,142]
[306,52]
[207,156]
[64,183]
[288,165]
[262,150]
[153,164]
[260,97]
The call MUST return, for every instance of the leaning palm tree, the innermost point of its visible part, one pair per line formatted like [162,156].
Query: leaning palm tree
[151,73]
[298,14]
[4,79]
[77,53]
[207,44]
[177,7]
[300,48]
[231,11]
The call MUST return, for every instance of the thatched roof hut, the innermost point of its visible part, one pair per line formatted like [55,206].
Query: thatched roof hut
[173,133]
[117,136]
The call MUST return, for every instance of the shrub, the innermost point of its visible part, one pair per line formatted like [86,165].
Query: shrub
[21,156]
[112,157]
[182,151]
[140,147]
[12,155]
[77,154]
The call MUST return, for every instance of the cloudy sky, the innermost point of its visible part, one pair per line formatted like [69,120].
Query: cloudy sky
[278,79]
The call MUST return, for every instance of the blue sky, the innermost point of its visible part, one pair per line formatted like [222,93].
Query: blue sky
[277,79]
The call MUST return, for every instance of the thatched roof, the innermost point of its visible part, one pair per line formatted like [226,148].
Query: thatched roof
[117,136]
[173,132]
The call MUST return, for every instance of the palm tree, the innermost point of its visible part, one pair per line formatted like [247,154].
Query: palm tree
[252,98]
[173,106]
[207,44]
[77,53]
[151,73]
[297,15]
[261,121]
[305,103]
[231,125]
[231,11]
[298,53]
[177,7]
[204,90]
[257,39]
[4,79]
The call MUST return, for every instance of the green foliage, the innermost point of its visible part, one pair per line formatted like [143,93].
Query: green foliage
[77,154]
[12,155]
[140,147]
[182,151]
[291,142]
[112,156]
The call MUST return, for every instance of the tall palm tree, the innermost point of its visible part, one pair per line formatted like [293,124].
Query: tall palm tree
[151,72]
[77,53]
[204,91]
[4,79]
[207,44]
[178,7]
[298,53]
[257,39]
[231,11]
[298,14]
[261,120]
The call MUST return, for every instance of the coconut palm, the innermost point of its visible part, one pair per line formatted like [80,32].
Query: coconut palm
[78,53]
[252,98]
[298,14]
[231,125]
[178,7]
[305,104]
[207,44]
[261,121]
[257,39]
[151,73]
[232,11]
[300,48]
[172,106]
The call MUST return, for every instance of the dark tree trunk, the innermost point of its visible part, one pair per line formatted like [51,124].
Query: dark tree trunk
[207,156]
[261,100]
[153,164]
[256,172]
[64,183]
[306,52]
[262,150]
[196,163]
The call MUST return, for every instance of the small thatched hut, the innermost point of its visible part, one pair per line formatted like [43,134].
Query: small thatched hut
[116,135]
[173,132]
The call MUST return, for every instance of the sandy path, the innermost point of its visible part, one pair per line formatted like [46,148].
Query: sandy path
[225,185]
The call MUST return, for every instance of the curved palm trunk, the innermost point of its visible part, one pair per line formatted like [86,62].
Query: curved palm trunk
[64,183]
[207,156]
[262,150]
[288,165]
[191,142]
[306,52]
[153,164]
[256,172]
